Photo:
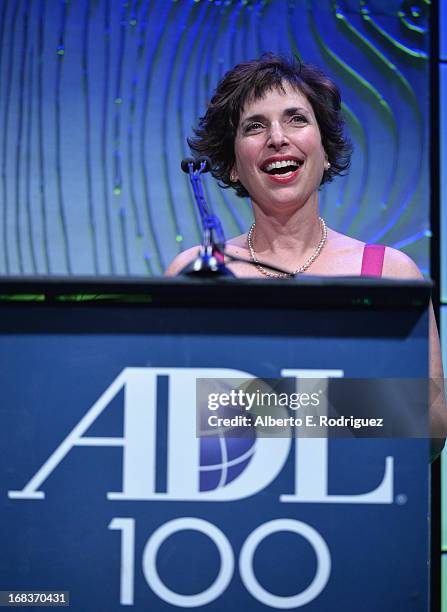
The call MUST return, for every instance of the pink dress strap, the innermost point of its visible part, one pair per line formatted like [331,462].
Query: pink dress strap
[372,262]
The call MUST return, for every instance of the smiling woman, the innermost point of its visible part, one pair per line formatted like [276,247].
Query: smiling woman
[274,132]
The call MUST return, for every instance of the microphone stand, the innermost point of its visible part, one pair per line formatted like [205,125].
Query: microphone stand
[210,260]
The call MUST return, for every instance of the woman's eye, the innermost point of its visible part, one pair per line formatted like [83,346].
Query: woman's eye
[298,119]
[254,126]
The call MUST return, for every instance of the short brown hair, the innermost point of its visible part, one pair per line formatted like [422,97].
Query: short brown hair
[216,132]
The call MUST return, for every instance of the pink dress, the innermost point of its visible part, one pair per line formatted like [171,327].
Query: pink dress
[372,261]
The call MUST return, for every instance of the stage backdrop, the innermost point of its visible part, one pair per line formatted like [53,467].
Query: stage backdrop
[97,98]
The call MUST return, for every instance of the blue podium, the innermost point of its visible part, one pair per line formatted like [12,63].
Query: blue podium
[108,493]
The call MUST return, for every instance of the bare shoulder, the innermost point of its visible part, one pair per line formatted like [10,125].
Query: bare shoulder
[181,261]
[398,265]
[343,243]
[238,242]
[342,255]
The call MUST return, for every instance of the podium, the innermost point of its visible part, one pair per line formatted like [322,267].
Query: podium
[109,494]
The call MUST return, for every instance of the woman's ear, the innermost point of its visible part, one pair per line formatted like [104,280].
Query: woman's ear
[233,175]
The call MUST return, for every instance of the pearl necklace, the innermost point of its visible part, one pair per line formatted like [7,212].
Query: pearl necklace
[299,270]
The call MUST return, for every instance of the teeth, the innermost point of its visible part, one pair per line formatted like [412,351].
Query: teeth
[281,164]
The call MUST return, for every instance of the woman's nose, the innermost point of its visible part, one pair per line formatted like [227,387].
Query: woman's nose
[277,137]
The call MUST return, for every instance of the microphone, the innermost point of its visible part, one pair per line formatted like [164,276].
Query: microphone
[201,164]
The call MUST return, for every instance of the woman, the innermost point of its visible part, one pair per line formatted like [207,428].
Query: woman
[274,132]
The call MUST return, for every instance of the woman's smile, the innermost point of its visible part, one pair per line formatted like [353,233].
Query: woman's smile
[282,169]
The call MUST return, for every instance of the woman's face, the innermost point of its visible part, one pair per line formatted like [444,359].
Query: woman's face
[279,156]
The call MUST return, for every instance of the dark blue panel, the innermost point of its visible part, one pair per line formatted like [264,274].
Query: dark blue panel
[103,498]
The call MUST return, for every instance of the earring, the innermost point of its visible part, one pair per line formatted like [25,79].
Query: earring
[233,177]
[327,165]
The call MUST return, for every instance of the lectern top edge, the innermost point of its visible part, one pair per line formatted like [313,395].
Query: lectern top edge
[303,292]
